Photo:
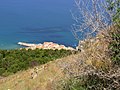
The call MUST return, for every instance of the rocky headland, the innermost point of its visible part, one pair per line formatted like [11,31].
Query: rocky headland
[45,45]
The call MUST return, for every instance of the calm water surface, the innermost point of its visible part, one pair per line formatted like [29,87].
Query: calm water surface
[35,21]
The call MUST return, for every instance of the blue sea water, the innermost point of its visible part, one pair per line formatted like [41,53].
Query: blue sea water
[35,21]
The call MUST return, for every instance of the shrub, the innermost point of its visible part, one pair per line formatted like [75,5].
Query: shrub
[115,46]
[12,61]
[2,70]
[95,80]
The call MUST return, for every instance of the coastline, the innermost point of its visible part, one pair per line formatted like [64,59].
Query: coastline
[45,45]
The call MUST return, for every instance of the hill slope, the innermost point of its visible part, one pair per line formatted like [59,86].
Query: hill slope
[38,78]
[94,53]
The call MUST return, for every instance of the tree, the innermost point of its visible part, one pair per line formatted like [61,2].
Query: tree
[90,17]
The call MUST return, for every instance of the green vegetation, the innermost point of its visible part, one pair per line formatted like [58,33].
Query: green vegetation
[115,34]
[12,61]
[75,84]
[114,6]
[115,47]
[103,54]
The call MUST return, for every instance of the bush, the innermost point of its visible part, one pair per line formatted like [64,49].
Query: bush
[115,47]
[96,80]
[2,70]
[12,61]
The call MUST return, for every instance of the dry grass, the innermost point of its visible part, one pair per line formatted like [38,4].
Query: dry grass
[42,77]
[93,57]
[51,75]
[94,60]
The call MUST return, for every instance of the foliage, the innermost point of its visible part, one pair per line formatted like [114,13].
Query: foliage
[74,84]
[114,7]
[115,47]
[97,80]
[12,61]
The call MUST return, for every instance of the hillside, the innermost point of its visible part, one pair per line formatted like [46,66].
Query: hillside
[93,63]
[42,78]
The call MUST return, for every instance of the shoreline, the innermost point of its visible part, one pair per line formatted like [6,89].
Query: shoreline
[45,45]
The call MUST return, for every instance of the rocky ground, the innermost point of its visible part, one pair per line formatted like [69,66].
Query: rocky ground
[45,45]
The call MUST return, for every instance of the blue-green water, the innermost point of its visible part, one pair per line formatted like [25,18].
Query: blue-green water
[35,21]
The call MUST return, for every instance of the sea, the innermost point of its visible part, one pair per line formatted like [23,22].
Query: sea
[35,21]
